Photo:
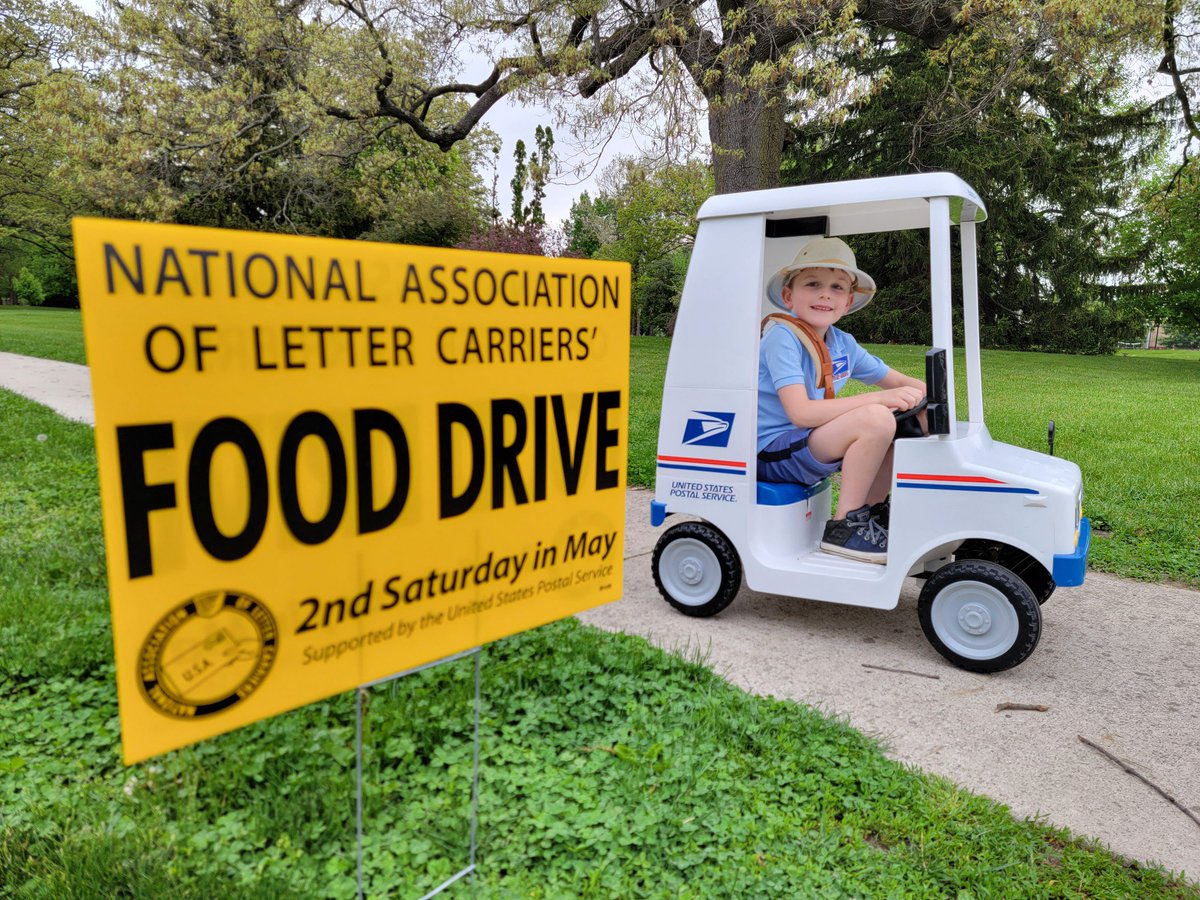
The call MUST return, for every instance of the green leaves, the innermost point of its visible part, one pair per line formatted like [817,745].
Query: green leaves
[1027,104]
[1165,228]
[646,217]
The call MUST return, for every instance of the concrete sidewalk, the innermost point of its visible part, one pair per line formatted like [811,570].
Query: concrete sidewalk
[64,387]
[1118,664]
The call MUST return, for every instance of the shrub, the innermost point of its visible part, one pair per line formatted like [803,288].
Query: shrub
[28,289]
[507,236]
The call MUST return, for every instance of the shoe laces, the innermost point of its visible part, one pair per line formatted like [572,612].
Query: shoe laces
[873,532]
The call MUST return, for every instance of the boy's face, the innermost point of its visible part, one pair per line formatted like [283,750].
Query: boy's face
[819,297]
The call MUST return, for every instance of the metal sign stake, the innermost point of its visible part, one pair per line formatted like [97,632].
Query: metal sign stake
[358,766]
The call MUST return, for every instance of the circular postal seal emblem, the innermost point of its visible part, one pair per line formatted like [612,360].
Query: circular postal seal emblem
[208,654]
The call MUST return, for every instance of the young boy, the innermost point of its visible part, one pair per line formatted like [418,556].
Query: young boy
[802,436]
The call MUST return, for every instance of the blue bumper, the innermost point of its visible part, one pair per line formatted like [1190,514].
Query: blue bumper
[1069,568]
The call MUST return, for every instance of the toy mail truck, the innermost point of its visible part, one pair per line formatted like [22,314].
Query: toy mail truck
[992,528]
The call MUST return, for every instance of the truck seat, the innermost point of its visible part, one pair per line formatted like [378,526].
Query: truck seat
[784,493]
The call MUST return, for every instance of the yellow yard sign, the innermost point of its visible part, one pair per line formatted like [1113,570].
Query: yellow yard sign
[323,462]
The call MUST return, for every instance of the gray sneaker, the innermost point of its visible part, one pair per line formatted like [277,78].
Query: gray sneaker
[858,536]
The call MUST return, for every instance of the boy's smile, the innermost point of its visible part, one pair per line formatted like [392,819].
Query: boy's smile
[819,296]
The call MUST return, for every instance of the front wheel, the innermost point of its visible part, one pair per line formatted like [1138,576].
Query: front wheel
[696,569]
[980,616]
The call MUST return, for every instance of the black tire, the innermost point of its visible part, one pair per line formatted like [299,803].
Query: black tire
[1019,563]
[1042,586]
[980,616]
[696,569]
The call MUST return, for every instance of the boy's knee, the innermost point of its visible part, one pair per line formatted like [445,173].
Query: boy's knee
[880,420]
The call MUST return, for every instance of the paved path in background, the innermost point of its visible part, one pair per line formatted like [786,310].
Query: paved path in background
[64,387]
[1118,663]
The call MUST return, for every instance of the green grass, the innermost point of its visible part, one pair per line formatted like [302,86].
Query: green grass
[609,768]
[647,367]
[45,333]
[1131,422]
[1193,355]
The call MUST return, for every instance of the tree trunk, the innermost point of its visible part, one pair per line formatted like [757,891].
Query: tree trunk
[747,139]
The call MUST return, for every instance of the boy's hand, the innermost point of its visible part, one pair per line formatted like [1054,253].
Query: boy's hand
[901,397]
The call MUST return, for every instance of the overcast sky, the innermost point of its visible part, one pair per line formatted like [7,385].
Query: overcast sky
[513,122]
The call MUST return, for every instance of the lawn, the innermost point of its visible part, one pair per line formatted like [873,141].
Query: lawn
[1193,355]
[609,768]
[45,333]
[1131,422]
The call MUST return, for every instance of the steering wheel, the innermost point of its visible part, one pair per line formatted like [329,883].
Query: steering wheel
[902,414]
[907,425]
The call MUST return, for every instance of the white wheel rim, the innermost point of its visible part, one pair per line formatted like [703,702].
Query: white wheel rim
[690,571]
[974,620]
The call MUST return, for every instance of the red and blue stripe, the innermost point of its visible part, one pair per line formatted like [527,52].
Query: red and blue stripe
[958,483]
[700,464]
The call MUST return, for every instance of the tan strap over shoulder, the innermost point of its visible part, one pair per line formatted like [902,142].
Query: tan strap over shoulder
[812,343]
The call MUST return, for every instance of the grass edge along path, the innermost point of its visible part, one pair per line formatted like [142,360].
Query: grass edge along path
[609,767]
[42,332]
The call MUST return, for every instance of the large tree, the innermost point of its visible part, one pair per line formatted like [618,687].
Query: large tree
[744,57]
[194,115]
[1180,61]
[33,39]
[1164,233]
[653,224]
[1052,150]
[35,201]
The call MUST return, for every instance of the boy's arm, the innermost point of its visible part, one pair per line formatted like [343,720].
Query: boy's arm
[806,413]
[894,379]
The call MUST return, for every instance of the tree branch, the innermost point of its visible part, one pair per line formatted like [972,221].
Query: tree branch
[1170,66]
[931,22]
[701,50]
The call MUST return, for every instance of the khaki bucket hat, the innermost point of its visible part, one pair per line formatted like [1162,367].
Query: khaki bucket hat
[824,253]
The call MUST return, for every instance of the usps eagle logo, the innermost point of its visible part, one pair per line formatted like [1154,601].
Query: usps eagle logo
[708,429]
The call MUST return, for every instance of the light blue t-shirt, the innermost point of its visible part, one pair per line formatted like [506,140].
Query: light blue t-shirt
[782,360]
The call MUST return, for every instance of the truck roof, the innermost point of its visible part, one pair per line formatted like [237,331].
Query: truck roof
[862,206]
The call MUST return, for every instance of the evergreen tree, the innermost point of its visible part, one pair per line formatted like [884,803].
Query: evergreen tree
[1053,157]
[520,212]
[532,176]
[539,172]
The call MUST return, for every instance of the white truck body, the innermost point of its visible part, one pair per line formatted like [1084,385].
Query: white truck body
[947,489]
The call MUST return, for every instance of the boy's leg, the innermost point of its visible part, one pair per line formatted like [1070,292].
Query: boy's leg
[882,484]
[862,440]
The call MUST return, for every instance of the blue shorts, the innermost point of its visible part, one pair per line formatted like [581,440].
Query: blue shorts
[788,459]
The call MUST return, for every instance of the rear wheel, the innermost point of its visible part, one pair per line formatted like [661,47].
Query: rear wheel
[980,616]
[696,569]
